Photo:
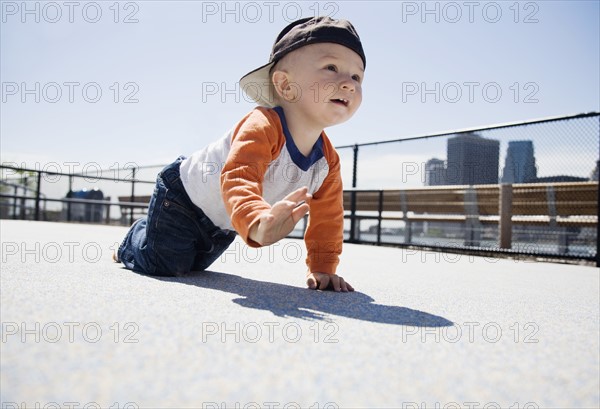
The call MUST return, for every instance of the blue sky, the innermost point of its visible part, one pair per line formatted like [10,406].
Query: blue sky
[178,63]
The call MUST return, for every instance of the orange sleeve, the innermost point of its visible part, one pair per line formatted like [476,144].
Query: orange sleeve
[325,232]
[256,141]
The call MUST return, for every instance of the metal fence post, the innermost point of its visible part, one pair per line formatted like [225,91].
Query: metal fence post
[23,209]
[352,238]
[37,196]
[380,209]
[71,196]
[132,195]
[505,221]
[15,203]
[598,228]
[354,164]
[407,222]
[598,212]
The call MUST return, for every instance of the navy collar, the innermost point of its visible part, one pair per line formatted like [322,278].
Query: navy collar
[303,162]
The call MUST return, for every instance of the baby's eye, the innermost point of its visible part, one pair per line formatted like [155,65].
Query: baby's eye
[332,67]
[356,77]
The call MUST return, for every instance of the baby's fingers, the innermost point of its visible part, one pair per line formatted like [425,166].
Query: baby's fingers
[317,280]
[330,282]
[298,195]
[311,282]
[299,212]
[324,281]
[339,284]
[345,286]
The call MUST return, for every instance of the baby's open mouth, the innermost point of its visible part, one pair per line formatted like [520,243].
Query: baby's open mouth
[341,101]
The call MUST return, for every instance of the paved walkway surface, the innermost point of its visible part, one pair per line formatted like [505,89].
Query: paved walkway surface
[422,330]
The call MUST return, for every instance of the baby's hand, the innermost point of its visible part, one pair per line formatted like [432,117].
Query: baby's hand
[323,281]
[280,220]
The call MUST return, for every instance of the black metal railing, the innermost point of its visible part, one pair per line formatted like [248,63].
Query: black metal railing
[21,209]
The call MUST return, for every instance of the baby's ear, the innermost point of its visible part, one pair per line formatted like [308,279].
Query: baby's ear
[282,85]
[280,82]
[285,88]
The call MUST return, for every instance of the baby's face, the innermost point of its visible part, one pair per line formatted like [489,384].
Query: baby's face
[326,82]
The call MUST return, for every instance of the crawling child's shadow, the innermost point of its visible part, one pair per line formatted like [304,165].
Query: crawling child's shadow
[288,301]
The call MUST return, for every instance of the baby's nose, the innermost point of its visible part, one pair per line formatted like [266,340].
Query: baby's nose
[348,84]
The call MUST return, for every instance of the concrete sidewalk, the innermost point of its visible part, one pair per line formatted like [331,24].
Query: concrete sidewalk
[422,329]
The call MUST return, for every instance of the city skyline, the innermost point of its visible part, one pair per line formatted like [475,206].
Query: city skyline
[475,162]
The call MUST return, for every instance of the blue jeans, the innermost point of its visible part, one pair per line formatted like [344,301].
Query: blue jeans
[176,237]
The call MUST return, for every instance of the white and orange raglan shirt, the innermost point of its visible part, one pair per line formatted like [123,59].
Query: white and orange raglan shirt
[256,164]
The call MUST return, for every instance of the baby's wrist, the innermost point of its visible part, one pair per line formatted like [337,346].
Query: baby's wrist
[253,233]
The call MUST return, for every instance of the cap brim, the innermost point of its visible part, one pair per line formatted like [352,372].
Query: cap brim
[256,84]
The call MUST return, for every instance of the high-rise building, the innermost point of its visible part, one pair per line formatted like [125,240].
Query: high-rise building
[435,172]
[472,160]
[519,166]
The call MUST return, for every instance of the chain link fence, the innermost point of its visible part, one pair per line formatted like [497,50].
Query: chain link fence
[528,187]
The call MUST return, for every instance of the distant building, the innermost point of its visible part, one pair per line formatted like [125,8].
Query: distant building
[519,166]
[594,175]
[472,160]
[435,172]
